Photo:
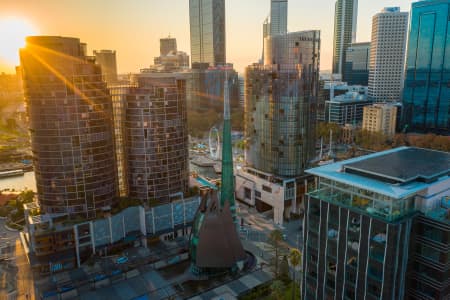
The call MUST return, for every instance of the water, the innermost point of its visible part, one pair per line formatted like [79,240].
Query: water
[18,183]
[28,181]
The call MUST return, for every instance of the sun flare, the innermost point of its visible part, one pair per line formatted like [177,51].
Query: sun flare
[12,37]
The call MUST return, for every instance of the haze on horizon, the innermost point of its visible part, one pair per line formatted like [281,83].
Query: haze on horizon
[133,28]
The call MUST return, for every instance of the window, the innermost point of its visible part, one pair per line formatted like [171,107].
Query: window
[267,189]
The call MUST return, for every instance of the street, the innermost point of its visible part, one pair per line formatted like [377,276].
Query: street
[260,227]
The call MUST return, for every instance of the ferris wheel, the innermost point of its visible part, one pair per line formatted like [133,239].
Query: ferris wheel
[214,143]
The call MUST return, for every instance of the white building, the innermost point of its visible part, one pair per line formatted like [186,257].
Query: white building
[267,192]
[387,54]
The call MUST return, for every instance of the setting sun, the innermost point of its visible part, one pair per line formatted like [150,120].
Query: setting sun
[12,37]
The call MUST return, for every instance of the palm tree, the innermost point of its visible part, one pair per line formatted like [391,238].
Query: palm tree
[275,239]
[295,258]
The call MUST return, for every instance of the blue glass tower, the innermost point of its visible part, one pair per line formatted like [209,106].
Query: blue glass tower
[426,94]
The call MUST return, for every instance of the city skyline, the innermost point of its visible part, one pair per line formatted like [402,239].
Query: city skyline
[149,22]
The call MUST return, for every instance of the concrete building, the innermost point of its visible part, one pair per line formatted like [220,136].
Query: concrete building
[278,17]
[387,54]
[356,67]
[107,60]
[345,23]
[280,99]
[157,140]
[207,27]
[54,244]
[380,117]
[167,45]
[71,127]
[377,227]
[426,94]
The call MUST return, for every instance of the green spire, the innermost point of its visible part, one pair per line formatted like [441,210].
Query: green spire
[227,187]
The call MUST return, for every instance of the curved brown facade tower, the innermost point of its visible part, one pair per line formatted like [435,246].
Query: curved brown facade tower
[70,120]
[157,140]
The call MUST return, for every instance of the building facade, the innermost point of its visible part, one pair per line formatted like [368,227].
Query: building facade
[167,45]
[157,140]
[119,94]
[367,232]
[426,94]
[280,104]
[356,67]
[56,245]
[345,22]
[380,117]
[207,27]
[278,17]
[387,54]
[71,127]
[241,91]
[346,109]
[107,60]
[207,87]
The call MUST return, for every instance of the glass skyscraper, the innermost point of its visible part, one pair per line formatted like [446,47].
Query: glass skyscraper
[426,94]
[356,68]
[345,17]
[278,17]
[207,22]
[280,104]
[71,127]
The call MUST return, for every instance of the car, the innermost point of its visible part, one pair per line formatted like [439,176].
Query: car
[122,260]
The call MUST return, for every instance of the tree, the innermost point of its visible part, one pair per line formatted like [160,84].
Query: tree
[275,239]
[284,269]
[295,258]
[277,288]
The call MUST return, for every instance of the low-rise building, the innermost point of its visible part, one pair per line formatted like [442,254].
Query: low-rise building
[54,242]
[267,192]
[346,108]
[380,117]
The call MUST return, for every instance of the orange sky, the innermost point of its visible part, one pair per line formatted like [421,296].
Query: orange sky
[133,27]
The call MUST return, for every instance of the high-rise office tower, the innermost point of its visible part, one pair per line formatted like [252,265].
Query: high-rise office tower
[157,140]
[167,45]
[356,67]
[387,54]
[426,94]
[279,100]
[207,87]
[107,60]
[207,25]
[70,119]
[345,21]
[377,227]
[278,16]
[280,113]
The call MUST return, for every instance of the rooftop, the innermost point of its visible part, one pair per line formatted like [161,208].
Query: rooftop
[406,165]
[395,173]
